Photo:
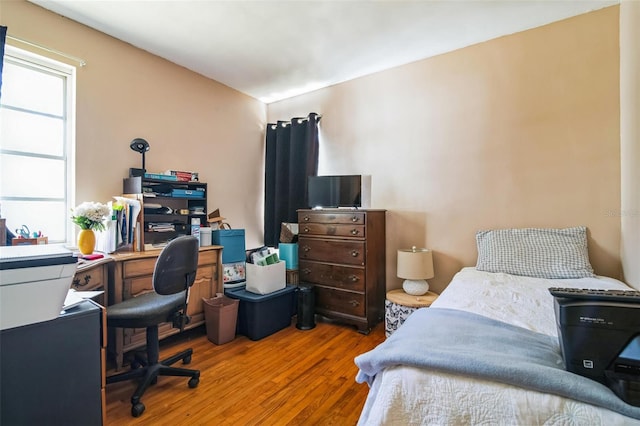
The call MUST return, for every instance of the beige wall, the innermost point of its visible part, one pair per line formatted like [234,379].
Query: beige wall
[515,132]
[519,131]
[630,139]
[191,122]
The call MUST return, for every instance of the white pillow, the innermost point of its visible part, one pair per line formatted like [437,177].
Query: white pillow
[535,252]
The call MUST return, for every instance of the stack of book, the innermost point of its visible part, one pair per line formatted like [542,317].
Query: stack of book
[161,227]
[182,176]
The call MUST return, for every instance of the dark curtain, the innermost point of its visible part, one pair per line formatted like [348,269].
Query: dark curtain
[291,156]
[3,37]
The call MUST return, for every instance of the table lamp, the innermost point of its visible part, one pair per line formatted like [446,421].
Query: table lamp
[415,265]
[140,145]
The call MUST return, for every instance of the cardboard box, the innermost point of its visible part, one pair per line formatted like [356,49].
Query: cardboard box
[265,279]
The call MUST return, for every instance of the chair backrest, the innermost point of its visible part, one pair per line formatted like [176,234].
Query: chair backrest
[176,267]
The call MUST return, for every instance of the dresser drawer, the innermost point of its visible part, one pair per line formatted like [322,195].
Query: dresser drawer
[335,230]
[337,251]
[340,301]
[343,277]
[330,217]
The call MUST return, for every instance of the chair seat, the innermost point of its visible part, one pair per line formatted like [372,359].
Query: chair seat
[143,311]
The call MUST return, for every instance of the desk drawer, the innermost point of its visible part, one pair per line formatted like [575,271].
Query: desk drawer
[207,257]
[141,285]
[346,302]
[93,278]
[138,267]
[343,277]
[334,251]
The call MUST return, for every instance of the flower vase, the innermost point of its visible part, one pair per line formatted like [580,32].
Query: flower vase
[86,241]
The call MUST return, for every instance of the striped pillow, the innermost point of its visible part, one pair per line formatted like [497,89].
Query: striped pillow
[535,252]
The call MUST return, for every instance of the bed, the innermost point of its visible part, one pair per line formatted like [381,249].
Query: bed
[508,288]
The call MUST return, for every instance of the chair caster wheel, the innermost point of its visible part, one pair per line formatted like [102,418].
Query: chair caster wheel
[137,409]
[187,360]
[193,382]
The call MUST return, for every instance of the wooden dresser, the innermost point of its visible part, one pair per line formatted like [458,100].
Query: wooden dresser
[132,275]
[342,253]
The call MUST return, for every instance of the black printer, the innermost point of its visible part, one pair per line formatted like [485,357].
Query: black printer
[599,334]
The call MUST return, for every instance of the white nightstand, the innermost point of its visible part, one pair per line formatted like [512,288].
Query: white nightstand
[399,305]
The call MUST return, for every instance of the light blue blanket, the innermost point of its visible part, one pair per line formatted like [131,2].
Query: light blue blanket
[469,344]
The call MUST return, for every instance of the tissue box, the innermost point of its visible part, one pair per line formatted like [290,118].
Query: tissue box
[265,279]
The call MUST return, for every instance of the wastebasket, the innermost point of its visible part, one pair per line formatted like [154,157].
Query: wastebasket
[306,308]
[220,315]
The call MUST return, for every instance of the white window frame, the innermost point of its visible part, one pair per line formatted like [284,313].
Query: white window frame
[43,64]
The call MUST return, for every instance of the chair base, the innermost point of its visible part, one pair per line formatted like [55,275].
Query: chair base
[150,373]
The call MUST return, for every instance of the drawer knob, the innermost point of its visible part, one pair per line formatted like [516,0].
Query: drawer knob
[354,303]
[353,278]
[306,229]
[354,219]
[76,281]
[354,231]
[306,218]
[306,271]
[355,253]
[306,249]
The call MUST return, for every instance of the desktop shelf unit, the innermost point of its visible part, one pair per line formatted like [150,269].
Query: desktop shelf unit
[186,201]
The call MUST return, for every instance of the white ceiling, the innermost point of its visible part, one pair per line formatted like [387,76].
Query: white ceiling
[274,49]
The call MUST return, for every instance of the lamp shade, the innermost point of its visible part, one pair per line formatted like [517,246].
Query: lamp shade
[415,264]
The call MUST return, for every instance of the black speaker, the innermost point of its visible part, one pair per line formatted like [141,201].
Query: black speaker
[306,307]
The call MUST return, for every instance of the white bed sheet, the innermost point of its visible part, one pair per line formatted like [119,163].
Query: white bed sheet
[405,395]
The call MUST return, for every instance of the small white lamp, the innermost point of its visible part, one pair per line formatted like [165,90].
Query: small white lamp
[415,265]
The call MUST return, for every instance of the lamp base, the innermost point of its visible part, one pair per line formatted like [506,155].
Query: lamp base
[415,287]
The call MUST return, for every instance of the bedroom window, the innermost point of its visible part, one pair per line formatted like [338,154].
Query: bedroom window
[37,134]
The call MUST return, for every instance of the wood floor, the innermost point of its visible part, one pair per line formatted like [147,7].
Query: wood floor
[292,377]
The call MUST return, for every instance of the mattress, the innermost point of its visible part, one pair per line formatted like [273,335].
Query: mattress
[406,395]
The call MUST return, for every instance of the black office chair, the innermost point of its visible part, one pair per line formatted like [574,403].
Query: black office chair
[174,273]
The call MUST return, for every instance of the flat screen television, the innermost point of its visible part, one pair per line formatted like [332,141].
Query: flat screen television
[346,191]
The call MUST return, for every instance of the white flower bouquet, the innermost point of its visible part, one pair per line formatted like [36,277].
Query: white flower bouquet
[90,215]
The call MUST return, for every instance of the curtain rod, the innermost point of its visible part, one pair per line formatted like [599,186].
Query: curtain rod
[300,120]
[81,61]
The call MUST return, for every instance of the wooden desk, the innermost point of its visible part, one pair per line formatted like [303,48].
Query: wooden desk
[131,274]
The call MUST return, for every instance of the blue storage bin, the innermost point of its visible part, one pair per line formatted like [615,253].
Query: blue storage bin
[260,315]
[233,242]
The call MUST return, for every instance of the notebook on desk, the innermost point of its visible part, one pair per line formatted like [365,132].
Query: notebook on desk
[74,298]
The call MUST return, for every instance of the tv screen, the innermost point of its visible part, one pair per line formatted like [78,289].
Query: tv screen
[335,191]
